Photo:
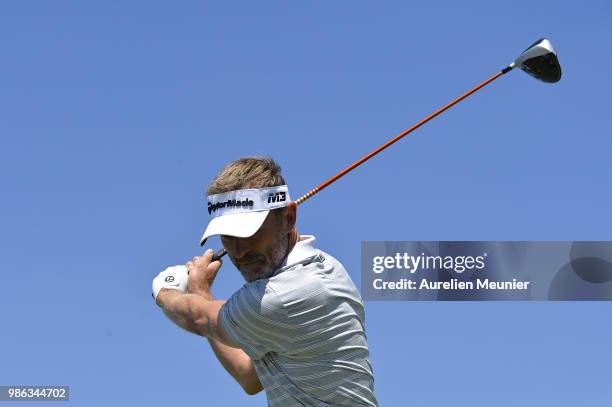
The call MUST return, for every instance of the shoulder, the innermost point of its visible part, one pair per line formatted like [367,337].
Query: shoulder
[318,285]
[255,299]
[256,320]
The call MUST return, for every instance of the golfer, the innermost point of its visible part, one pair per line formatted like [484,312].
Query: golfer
[296,328]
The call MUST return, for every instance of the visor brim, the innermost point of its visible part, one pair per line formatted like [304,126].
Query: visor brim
[244,224]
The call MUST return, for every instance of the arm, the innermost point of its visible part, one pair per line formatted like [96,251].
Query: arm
[198,313]
[238,364]
[193,313]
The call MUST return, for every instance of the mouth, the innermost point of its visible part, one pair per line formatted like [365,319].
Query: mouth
[248,263]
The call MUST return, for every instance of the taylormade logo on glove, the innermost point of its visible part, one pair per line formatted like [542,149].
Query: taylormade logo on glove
[173,278]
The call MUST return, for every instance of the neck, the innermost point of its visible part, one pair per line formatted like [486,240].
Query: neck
[294,236]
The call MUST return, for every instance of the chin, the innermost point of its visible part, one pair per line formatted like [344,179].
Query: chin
[254,275]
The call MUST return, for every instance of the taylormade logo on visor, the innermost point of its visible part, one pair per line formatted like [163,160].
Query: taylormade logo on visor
[248,200]
[230,203]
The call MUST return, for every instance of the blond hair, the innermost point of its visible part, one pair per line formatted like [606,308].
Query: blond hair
[247,172]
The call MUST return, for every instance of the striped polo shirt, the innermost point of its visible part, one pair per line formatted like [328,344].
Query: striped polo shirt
[304,330]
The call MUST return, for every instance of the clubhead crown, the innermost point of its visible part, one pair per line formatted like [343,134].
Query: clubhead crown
[540,61]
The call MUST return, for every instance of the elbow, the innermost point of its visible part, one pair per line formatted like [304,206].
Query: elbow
[251,391]
[251,387]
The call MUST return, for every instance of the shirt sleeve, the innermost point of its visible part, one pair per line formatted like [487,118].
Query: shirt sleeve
[255,319]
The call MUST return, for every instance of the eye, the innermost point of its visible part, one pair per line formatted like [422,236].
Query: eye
[227,238]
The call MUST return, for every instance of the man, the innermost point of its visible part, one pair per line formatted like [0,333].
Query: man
[296,328]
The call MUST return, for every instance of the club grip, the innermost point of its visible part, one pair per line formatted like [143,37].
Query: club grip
[218,254]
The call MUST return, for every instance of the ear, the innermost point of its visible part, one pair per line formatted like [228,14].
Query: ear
[290,216]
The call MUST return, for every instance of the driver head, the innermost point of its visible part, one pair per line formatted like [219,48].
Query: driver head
[540,61]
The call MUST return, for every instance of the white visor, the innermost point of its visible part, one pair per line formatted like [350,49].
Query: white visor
[241,213]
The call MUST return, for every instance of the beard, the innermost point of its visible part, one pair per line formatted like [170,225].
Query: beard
[273,259]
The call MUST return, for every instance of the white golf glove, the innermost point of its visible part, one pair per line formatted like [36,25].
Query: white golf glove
[174,278]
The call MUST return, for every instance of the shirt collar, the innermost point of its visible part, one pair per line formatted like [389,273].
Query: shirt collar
[303,252]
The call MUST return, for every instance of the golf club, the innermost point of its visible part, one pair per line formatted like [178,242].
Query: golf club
[539,60]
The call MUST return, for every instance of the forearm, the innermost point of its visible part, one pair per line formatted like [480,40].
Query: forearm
[189,311]
[235,361]
[238,364]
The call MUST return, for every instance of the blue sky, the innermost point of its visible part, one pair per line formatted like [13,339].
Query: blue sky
[114,116]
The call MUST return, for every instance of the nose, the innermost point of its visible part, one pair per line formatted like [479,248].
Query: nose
[237,247]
